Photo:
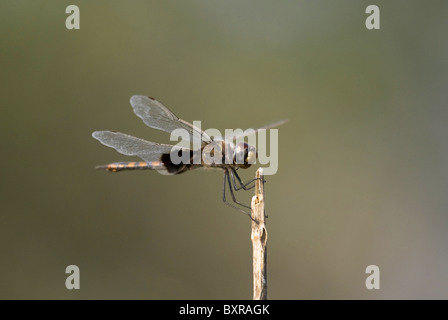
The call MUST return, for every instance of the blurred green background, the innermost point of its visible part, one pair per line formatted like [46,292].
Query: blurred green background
[363,173]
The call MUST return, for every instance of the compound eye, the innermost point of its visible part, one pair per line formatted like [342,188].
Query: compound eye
[241,147]
[241,153]
[252,155]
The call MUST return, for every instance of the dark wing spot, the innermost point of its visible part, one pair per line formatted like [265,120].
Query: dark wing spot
[174,168]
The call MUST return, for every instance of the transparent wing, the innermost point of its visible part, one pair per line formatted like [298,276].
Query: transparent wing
[155,115]
[253,131]
[132,146]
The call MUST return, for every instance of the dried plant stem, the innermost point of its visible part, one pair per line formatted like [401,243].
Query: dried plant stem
[259,239]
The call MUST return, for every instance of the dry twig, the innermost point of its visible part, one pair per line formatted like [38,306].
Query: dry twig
[259,239]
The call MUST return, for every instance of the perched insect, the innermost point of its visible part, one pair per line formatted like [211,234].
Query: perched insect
[159,157]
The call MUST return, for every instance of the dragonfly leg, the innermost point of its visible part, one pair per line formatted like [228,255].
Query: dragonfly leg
[244,186]
[225,182]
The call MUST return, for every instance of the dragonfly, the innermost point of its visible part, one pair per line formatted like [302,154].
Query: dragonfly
[159,157]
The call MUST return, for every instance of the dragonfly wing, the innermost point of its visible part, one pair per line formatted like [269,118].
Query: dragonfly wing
[155,115]
[132,146]
[253,131]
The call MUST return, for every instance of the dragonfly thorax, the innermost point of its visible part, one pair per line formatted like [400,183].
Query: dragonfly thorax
[225,153]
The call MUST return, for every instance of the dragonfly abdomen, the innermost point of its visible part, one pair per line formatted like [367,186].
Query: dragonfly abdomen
[134,165]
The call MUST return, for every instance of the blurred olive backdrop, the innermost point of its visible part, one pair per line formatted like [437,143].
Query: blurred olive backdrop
[363,173]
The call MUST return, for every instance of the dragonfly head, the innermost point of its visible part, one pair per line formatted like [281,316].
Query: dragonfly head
[245,155]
